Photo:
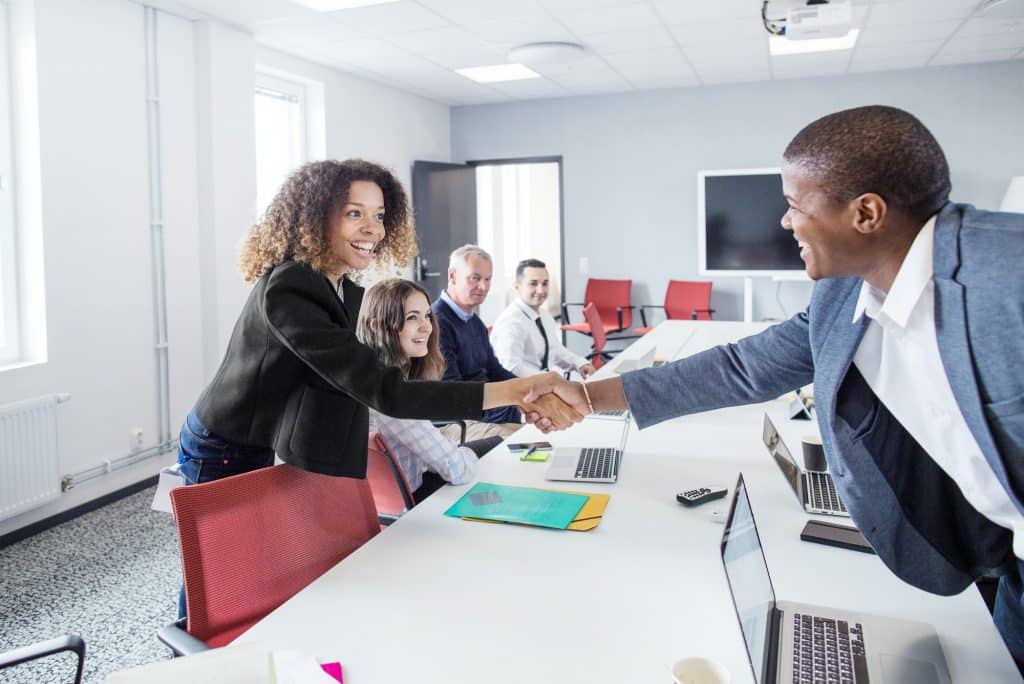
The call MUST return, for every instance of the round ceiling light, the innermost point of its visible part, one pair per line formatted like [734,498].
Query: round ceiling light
[546,53]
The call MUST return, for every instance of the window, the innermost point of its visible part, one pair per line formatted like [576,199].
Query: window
[281,145]
[10,333]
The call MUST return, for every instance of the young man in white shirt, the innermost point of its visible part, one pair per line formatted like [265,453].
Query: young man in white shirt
[524,337]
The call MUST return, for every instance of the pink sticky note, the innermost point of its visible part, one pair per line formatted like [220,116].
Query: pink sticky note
[333,669]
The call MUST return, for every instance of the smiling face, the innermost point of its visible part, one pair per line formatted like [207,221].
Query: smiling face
[418,324]
[826,230]
[533,286]
[469,284]
[357,226]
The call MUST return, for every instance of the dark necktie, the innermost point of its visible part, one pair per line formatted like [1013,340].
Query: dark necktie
[540,326]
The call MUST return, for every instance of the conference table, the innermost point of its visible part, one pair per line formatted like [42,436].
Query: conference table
[439,599]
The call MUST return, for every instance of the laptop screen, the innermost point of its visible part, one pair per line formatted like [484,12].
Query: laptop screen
[784,459]
[747,573]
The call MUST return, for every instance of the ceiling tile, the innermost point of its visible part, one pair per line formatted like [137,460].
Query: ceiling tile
[614,18]
[688,11]
[647,81]
[531,88]
[902,33]
[954,57]
[817,64]
[979,43]
[710,74]
[393,17]
[739,51]
[588,75]
[914,11]
[861,63]
[449,37]
[720,33]
[511,32]
[924,49]
[625,41]
[659,59]
[465,12]
[987,26]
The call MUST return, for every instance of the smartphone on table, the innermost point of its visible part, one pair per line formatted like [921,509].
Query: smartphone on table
[526,446]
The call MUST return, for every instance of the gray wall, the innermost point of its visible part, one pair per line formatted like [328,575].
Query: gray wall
[631,161]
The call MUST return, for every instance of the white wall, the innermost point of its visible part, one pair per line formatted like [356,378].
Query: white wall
[95,212]
[631,161]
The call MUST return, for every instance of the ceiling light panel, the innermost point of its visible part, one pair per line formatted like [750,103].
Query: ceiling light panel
[497,73]
[777,45]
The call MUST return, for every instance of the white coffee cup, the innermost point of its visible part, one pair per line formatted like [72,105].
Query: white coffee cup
[698,670]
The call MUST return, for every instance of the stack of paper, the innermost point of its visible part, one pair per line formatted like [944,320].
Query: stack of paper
[528,506]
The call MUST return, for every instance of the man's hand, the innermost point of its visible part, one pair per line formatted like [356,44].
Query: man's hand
[553,383]
[586,370]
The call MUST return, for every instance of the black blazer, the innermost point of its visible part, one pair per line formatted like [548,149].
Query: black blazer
[296,379]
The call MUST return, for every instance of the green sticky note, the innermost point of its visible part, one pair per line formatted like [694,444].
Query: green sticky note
[540,455]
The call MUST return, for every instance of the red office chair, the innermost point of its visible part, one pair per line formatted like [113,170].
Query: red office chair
[252,541]
[597,355]
[612,298]
[684,299]
[391,492]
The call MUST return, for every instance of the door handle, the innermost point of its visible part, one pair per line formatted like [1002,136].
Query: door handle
[420,269]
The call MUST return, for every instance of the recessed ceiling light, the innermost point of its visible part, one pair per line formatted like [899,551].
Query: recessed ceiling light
[498,72]
[778,45]
[547,52]
[335,5]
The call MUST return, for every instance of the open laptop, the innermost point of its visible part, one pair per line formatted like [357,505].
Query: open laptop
[815,491]
[792,642]
[587,464]
[644,361]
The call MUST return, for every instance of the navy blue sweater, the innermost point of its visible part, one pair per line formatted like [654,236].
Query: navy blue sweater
[468,356]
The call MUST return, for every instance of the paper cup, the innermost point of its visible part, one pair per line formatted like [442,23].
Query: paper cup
[697,670]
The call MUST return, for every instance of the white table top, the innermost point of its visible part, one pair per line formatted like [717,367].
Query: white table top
[437,599]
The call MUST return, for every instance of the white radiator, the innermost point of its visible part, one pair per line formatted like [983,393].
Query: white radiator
[29,471]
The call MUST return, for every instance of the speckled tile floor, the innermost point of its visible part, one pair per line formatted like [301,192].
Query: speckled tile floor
[111,576]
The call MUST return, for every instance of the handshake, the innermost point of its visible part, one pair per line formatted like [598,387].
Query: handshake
[551,402]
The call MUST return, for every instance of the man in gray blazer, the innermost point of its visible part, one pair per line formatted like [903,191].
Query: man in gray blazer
[914,340]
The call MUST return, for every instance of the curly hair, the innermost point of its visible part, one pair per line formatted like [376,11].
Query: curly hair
[381,319]
[876,149]
[296,225]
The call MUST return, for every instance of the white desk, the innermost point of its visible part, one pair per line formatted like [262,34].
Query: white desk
[436,599]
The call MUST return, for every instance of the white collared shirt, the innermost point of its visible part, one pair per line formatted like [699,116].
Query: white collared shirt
[899,359]
[519,346]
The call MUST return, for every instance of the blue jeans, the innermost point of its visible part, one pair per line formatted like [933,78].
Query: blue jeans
[204,456]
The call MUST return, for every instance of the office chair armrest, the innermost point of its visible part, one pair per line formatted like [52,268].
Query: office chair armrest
[68,642]
[455,421]
[618,312]
[693,315]
[178,640]
[565,310]
[643,309]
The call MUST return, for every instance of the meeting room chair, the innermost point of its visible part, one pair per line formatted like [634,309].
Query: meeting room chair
[252,541]
[612,299]
[391,492]
[598,354]
[684,299]
[44,649]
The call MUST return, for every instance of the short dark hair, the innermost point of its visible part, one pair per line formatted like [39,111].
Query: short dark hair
[528,263]
[876,149]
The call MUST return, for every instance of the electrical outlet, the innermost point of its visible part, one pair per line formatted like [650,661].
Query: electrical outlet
[584,265]
[135,437]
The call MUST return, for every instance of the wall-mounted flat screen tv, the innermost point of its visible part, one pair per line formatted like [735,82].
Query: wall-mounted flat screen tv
[738,214]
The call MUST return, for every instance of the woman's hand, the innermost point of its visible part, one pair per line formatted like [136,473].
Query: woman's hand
[546,410]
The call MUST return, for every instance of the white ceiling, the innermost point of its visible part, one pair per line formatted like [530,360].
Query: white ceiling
[633,45]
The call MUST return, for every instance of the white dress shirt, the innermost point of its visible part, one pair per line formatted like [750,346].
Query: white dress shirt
[899,359]
[519,346]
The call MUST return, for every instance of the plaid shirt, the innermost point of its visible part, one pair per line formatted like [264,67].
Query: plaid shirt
[418,446]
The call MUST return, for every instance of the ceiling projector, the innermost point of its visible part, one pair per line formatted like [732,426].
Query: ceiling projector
[807,19]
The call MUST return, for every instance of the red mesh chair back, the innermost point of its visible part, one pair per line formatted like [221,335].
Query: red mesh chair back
[597,331]
[683,298]
[252,541]
[608,296]
[390,488]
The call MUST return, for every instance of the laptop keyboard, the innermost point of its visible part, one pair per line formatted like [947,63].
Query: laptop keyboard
[597,463]
[823,492]
[827,651]
[611,412]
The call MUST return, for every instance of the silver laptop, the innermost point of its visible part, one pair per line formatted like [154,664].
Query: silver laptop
[815,491]
[792,642]
[645,361]
[587,464]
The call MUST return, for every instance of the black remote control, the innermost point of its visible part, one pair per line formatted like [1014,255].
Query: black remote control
[695,497]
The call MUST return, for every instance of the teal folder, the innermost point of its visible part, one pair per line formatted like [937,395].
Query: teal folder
[523,505]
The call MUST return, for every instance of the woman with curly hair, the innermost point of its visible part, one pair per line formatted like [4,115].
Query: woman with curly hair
[295,380]
[397,321]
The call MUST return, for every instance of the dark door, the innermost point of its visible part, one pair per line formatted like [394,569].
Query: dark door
[444,201]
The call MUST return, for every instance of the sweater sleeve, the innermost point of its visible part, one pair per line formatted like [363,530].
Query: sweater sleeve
[296,308]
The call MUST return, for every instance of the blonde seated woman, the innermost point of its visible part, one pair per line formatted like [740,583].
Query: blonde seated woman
[396,321]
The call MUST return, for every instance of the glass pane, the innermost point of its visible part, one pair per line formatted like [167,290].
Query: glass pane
[279,143]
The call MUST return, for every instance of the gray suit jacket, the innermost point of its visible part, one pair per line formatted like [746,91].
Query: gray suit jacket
[912,513]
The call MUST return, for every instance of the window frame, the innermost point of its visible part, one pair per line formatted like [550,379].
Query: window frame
[295,91]
[10,318]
